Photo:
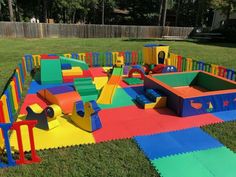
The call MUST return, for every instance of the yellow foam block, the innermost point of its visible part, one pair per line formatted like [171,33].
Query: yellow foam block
[160,103]
[67,134]
[106,68]
[73,71]
[100,82]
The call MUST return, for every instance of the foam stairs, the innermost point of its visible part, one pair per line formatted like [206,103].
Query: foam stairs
[151,99]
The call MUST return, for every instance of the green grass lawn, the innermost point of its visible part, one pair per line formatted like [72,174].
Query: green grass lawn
[115,158]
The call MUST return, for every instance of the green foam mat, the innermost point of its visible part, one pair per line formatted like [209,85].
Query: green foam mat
[117,71]
[89,98]
[184,165]
[133,81]
[120,99]
[215,162]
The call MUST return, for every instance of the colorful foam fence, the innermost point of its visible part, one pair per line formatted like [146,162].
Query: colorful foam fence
[99,59]
[9,105]
[93,59]
[188,64]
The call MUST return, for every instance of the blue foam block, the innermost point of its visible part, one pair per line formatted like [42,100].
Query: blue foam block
[226,115]
[35,86]
[134,91]
[61,89]
[165,144]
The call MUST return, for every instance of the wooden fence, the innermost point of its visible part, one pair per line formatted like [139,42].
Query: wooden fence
[44,30]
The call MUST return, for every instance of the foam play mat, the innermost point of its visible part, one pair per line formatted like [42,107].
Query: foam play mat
[76,101]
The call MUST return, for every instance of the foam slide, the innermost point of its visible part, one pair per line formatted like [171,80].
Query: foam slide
[109,89]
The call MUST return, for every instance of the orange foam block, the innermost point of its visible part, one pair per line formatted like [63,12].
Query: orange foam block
[114,80]
[64,100]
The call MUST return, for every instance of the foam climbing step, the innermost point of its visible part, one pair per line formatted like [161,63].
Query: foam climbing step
[142,100]
[85,86]
[153,94]
[172,143]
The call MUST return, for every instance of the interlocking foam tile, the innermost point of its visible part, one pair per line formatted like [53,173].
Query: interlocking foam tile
[100,82]
[35,86]
[134,91]
[126,122]
[184,165]
[98,72]
[165,144]
[32,99]
[220,161]
[215,162]
[67,134]
[120,99]
[226,115]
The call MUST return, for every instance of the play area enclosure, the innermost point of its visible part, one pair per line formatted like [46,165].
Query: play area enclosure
[75,92]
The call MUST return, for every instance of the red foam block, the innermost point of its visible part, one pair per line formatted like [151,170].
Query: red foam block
[98,72]
[32,99]
[130,121]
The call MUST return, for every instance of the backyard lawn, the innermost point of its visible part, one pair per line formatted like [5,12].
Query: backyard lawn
[115,158]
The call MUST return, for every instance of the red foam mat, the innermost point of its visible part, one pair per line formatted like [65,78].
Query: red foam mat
[130,121]
[32,99]
[98,72]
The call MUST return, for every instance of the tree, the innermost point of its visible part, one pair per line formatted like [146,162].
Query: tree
[226,6]
[10,10]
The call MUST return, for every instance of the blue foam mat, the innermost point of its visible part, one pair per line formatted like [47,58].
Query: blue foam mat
[166,144]
[226,115]
[35,86]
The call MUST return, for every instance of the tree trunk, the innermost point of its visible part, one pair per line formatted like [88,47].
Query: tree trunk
[45,11]
[160,12]
[103,12]
[228,13]
[10,10]
[164,13]
[177,13]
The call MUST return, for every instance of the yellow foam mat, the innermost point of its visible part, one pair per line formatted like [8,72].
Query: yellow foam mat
[67,134]
[100,82]
[73,71]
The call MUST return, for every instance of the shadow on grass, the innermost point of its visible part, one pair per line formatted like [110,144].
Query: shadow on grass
[153,40]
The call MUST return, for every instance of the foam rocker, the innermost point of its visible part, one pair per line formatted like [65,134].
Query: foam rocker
[85,116]
[47,118]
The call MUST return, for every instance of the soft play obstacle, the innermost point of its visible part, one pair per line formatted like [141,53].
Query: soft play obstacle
[50,71]
[196,92]
[169,69]
[109,89]
[137,69]
[16,126]
[85,116]
[74,62]
[47,118]
[63,96]
[155,54]
[85,87]
[151,99]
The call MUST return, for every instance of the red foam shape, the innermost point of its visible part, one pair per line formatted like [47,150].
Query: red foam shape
[17,127]
[98,72]
[86,73]
[46,57]
[17,93]
[130,121]
[2,117]
[32,99]
[135,70]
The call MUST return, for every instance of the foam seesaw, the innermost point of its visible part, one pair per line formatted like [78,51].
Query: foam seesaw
[85,116]
[47,118]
